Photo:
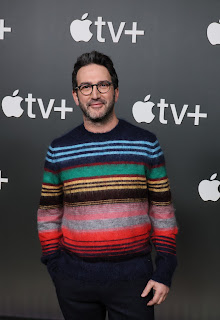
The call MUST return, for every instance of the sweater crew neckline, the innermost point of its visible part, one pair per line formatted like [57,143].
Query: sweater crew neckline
[96,134]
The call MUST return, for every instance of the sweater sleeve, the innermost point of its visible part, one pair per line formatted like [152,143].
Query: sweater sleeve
[50,211]
[161,212]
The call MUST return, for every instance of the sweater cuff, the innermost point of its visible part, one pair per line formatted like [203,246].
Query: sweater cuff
[165,267]
[50,257]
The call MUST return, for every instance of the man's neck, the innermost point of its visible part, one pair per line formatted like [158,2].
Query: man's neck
[102,126]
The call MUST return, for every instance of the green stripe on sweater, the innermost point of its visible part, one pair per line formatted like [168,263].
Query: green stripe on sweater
[102,170]
[157,173]
[51,178]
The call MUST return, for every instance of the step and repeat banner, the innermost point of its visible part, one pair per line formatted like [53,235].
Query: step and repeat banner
[167,56]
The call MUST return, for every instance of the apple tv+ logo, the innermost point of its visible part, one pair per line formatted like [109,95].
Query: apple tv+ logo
[213,33]
[143,112]
[11,106]
[209,189]
[80,30]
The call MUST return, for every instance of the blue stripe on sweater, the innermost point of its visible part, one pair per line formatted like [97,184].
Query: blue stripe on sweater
[105,153]
[103,148]
[103,143]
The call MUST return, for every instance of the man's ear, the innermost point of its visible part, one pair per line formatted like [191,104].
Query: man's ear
[75,97]
[116,94]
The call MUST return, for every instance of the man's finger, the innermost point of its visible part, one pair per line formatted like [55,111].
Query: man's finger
[147,289]
[160,292]
[155,300]
[164,297]
[161,299]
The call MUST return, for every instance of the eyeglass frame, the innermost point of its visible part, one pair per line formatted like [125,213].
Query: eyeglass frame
[92,85]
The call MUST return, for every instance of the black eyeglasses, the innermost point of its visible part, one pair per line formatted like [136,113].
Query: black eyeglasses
[87,88]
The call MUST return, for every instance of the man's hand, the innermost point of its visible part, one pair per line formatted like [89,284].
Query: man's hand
[160,292]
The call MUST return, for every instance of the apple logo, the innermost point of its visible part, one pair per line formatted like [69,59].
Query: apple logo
[79,29]
[142,111]
[208,189]
[213,33]
[11,106]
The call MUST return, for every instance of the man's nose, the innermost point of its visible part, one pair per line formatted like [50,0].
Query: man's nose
[95,93]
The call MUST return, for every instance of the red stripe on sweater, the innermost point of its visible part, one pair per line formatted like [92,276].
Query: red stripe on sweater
[107,234]
[51,235]
[111,242]
[95,250]
[170,233]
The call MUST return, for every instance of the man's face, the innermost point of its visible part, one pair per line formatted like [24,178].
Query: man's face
[97,106]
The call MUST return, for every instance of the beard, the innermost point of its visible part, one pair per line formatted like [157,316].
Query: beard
[103,115]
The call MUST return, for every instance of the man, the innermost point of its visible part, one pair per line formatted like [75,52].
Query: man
[105,198]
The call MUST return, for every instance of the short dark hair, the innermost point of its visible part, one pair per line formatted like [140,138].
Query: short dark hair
[96,58]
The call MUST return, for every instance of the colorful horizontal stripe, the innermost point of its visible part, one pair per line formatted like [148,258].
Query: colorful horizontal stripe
[104,194]
[123,142]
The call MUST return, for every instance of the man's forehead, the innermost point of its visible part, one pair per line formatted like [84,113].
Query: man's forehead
[93,72]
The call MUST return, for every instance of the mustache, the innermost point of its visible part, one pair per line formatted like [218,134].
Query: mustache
[95,101]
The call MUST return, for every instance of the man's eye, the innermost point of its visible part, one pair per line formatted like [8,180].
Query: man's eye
[103,84]
[86,86]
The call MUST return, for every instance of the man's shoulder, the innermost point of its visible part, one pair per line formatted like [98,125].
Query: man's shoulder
[68,138]
[137,133]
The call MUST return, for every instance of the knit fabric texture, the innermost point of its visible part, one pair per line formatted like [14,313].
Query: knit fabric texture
[106,197]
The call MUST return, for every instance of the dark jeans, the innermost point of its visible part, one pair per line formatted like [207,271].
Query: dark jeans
[87,290]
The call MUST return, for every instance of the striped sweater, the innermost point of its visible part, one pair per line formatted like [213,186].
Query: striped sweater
[106,196]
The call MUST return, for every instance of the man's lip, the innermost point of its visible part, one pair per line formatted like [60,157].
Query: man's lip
[97,104]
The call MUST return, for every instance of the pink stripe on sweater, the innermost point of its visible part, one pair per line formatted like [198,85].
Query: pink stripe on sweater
[163,212]
[106,211]
[53,215]
[105,215]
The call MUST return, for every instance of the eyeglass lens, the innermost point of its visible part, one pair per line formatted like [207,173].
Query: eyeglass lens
[103,87]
